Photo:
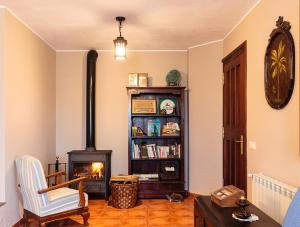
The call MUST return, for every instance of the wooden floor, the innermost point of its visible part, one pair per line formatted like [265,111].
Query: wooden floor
[148,213]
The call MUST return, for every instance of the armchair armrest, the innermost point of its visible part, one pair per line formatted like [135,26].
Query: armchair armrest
[80,188]
[61,185]
[56,174]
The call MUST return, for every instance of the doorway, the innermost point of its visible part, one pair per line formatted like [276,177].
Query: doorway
[234,118]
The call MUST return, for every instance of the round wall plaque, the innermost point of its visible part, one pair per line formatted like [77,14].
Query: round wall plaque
[280,65]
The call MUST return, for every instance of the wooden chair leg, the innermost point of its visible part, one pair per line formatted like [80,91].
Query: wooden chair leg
[42,224]
[25,219]
[85,216]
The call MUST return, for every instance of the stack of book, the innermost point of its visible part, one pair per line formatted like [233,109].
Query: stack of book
[146,176]
[152,151]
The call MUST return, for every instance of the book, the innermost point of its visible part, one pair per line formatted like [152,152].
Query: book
[146,176]
[137,153]
[153,151]
[154,127]
[144,151]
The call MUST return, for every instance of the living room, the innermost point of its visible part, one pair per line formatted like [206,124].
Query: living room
[43,60]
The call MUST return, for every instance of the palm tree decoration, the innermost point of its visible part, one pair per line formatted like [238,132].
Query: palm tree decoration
[278,63]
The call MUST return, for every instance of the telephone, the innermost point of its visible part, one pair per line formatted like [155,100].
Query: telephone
[227,196]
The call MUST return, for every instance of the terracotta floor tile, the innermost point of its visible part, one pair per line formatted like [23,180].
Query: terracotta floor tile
[110,222]
[188,221]
[158,207]
[136,222]
[148,213]
[182,213]
[178,206]
[155,201]
[139,207]
[114,214]
[159,221]
[158,213]
[138,213]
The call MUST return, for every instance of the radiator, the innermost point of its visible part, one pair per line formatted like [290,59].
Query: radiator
[271,196]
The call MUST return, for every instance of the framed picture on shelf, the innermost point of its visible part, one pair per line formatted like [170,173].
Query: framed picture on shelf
[143,106]
[167,106]
[132,79]
[143,79]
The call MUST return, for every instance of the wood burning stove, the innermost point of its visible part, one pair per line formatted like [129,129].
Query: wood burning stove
[95,165]
[91,163]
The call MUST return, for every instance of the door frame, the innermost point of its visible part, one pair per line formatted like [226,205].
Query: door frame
[233,54]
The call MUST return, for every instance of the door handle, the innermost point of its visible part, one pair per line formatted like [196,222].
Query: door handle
[241,142]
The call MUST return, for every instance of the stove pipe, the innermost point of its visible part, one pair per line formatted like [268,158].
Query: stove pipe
[90,99]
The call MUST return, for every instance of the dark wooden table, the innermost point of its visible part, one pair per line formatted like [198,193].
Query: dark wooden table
[208,214]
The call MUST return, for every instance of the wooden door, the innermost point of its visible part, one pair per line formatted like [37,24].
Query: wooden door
[234,118]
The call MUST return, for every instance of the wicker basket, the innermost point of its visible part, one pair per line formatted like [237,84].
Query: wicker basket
[124,192]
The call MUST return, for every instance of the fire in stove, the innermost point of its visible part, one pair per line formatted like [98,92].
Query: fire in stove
[93,171]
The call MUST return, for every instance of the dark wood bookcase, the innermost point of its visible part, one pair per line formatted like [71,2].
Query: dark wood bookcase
[169,168]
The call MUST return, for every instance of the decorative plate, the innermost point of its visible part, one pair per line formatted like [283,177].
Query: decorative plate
[173,78]
[167,106]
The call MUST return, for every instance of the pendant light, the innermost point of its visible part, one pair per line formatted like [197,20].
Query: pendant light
[120,42]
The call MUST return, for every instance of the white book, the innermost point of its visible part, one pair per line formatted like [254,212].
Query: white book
[136,152]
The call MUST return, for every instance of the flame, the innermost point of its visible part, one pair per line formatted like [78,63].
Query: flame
[97,167]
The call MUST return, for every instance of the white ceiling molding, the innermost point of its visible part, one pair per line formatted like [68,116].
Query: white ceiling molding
[127,50]
[27,26]
[208,43]
[243,18]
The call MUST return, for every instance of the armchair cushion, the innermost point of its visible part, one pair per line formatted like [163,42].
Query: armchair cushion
[62,199]
[292,217]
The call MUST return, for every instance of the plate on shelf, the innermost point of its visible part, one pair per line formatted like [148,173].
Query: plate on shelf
[173,78]
[167,106]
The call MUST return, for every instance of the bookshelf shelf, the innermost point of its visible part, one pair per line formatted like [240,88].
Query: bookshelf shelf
[154,159]
[155,115]
[147,154]
[155,137]
[157,181]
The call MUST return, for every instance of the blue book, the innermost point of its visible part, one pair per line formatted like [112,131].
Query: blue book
[154,127]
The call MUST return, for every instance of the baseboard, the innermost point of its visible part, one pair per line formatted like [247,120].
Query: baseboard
[192,194]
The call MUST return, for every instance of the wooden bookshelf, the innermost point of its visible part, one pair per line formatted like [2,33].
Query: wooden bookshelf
[169,181]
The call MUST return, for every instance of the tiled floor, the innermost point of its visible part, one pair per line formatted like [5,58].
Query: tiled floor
[148,213]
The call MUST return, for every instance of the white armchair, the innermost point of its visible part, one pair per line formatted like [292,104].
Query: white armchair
[45,203]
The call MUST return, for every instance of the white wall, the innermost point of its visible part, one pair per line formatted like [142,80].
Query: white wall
[205,118]
[29,106]
[2,136]
[111,98]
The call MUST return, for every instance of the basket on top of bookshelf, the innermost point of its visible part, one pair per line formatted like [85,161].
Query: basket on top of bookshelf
[156,139]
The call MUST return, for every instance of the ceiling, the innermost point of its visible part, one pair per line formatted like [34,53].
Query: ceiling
[149,25]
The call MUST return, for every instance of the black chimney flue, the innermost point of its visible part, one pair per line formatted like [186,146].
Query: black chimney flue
[90,100]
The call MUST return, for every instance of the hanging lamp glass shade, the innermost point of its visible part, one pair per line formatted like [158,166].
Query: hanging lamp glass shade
[120,48]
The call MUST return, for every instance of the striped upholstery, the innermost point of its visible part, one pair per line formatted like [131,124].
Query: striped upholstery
[31,179]
[62,199]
